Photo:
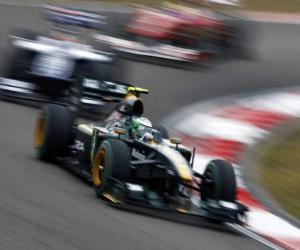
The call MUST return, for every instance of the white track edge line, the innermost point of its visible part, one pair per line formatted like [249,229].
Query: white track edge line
[255,236]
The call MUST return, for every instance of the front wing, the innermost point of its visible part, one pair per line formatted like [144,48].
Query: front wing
[128,194]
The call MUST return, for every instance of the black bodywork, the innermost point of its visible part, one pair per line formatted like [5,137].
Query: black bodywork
[158,174]
[154,183]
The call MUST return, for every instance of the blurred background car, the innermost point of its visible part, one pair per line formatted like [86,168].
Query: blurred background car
[187,31]
[59,65]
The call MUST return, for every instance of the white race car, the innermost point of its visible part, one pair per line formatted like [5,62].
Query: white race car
[58,65]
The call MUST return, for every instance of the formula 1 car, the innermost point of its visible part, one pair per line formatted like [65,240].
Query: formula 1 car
[131,162]
[46,67]
[183,33]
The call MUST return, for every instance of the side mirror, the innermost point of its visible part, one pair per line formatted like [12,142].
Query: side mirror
[120,131]
[175,140]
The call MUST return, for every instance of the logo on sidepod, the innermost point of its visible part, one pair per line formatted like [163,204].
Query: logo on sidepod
[79,146]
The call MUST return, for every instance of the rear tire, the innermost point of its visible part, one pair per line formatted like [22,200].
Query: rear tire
[241,40]
[53,132]
[219,182]
[19,64]
[112,160]
[19,60]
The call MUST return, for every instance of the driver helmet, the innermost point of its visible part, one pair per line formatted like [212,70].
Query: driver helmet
[140,126]
[148,138]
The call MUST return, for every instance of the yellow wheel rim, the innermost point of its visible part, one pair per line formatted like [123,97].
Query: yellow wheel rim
[40,132]
[98,168]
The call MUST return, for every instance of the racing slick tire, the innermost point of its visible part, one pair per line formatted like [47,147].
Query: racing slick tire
[219,182]
[53,132]
[18,59]
[241,41]
[19,64]
[112,160]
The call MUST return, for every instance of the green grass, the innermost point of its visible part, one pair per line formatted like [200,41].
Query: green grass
[255,5]
[272,5]
[280,171]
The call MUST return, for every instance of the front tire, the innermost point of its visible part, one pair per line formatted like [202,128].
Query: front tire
[53,132]
[219,182]
[111,161]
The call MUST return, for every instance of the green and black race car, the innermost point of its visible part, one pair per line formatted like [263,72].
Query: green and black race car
[129,161]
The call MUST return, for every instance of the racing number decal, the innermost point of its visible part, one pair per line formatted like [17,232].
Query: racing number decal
[95,136]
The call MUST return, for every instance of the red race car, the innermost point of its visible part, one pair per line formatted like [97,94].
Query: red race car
[181,33]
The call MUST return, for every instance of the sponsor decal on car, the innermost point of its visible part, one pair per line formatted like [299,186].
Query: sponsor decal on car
[89,83]
[79,146]
[95,136]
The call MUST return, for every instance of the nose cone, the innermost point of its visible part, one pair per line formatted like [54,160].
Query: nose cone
[184,171]
[178,161]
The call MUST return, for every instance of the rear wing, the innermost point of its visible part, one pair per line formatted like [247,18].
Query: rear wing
[76,17]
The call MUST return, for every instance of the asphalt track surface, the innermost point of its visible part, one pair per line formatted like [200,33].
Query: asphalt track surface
[42,206]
